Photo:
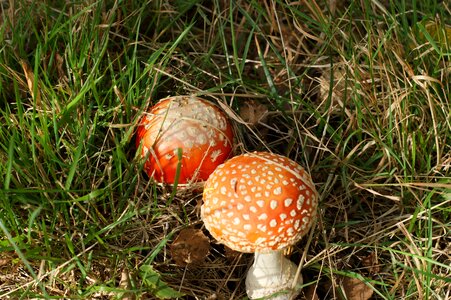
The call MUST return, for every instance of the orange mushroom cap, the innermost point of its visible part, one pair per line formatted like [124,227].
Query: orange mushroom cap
[195,126]
[259,202]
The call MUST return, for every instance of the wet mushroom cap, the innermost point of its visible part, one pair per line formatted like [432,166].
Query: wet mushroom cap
[259,202]
[186,125]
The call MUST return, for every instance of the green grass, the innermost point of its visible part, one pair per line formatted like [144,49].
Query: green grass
[360,94]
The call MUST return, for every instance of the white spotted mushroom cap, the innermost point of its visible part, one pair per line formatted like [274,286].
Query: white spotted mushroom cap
[195,126]
[259,202]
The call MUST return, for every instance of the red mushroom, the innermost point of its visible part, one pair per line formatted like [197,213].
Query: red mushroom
[186,125]
[261,203]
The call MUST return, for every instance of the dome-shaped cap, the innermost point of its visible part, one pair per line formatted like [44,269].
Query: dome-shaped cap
[189,125]
[258,202]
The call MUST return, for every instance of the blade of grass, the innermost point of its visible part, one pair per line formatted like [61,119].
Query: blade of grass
[23,258]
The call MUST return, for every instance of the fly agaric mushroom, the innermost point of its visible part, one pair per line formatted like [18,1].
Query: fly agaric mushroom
[186,125]
[261,203]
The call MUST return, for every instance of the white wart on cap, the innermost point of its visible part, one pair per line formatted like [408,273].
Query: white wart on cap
[259,202]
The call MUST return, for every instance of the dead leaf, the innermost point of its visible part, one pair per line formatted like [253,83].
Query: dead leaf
[371,263]
[125,284]
[60,68]
[310,293]
[231,255]
[190,247]
[440,33]
[355,289]
[29,76]
[336,82]
[4,262]
[253,112]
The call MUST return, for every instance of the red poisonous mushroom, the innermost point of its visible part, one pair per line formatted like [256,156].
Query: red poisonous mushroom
[184,132]
[261,203]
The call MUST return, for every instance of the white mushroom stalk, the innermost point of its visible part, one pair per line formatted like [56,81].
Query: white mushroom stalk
[261,203]
[272,274]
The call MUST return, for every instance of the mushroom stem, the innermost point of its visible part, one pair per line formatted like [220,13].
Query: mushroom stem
[272,274]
